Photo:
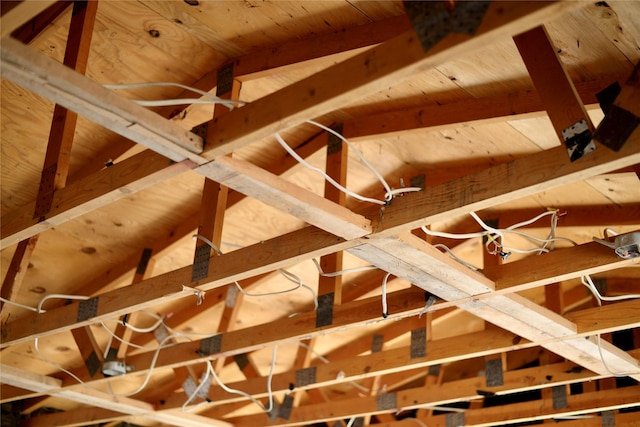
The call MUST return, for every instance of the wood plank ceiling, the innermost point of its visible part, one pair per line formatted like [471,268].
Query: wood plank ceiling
[100,198]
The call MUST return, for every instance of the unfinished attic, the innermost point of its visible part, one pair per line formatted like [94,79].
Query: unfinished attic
[320,213]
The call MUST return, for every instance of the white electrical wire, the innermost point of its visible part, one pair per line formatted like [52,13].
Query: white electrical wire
[351,421]
[203,382]
[456,257]
[389,193]
[17,304]
[136,391]
[287,275]
[211,98]
[60,296]
[159,321]
[385,311]
[495,236]
[247,395]
[588,282]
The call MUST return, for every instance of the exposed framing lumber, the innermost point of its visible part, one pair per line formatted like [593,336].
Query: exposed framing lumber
[518,105]
[21,13]
[411,258]
[237,265]
[494,185]
[31,29]
[367,73]
[295,53]
[402,304]
[73,418]
[134,174]
[336,167]
[86,395]
[554,86]
[438,394]
[540,410]
[248,179]
[387,63]
[602,318]
[390,361]
[75,92]
[58,153]
[353,130]
[498,184]
[17,269]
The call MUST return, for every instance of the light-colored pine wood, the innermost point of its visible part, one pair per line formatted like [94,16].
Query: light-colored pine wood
[80,197]
[20,14]
[362,75]
[290,198]
[85,97]
[553,84]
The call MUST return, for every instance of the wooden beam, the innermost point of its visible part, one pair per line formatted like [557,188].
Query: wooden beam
[274,191]
[89,396]
[514,106]
[73,418]
[409,257]
[588,258]
[243,263]
[402,304]
[580,404]
[58,153]
[45,76]
[335,167]
[499,184]
[129,176]
[433,395]
[31,29]
[379,67]
[295,53]
[607,316]
[554,86]
[17,269]
[21,13]
[35,382]
[442,351]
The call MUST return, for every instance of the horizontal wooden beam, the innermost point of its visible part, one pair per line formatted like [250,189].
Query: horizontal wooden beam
[447,350]
[606,317]
[409,257]
[402,304]
[20,13]
[588,258]
[377,68]
[129,176]
[514,106]
[73,418]
[297,53]
[240,264]
[46,77]
[290,198]
[89,396]
[430,395]
[499,184]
